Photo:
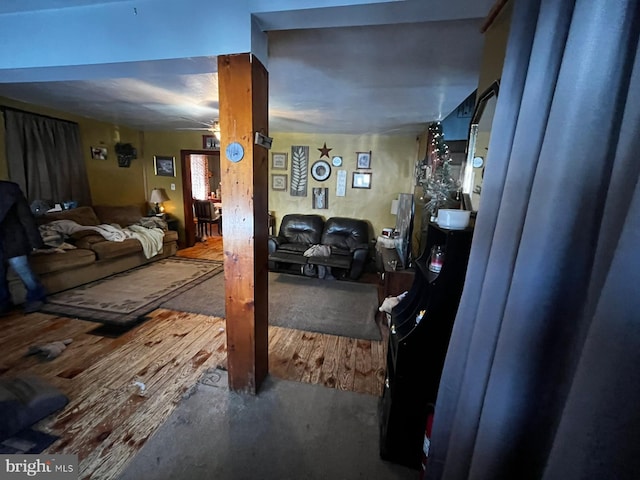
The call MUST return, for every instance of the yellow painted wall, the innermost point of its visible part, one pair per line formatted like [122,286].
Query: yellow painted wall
[393,161]
[169,144]
[493,55]
[109,183]
[482,146]
[392,167]
[495,46]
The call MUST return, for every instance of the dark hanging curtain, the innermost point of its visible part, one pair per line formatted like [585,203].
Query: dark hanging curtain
[44,157]
[542,376]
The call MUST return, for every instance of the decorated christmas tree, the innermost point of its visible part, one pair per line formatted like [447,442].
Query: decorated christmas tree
[439,186]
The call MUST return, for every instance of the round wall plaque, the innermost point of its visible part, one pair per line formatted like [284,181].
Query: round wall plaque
[234,152]
[320,170]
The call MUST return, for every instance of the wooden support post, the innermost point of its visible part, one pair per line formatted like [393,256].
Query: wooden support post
[243,93]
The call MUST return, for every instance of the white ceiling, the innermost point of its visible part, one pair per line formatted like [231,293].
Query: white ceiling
[386,70]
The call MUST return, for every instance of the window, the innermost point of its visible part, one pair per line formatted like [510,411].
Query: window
[199,177]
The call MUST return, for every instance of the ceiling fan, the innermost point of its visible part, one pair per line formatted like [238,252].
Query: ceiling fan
[213,126]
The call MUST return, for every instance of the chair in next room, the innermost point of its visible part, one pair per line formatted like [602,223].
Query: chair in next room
[206,216]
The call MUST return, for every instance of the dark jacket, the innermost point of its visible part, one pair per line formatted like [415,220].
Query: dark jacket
[18,230]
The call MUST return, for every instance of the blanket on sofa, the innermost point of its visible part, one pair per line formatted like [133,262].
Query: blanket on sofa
[150,238]
[69,227]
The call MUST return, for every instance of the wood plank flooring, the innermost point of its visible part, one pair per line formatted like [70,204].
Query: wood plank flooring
[209,250]
[335,362]
[110,416]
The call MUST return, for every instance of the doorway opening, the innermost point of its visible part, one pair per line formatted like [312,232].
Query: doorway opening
[201,178]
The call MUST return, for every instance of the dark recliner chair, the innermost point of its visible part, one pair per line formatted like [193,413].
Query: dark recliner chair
[297,233]
[348,239]
[349,242]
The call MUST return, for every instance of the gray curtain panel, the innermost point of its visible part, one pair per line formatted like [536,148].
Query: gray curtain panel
[541,377]
[44,157]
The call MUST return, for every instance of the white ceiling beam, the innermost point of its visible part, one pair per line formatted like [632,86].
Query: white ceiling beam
[124,31]
[358,14]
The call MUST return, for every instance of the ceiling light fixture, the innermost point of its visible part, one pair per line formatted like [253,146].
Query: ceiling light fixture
[215,128]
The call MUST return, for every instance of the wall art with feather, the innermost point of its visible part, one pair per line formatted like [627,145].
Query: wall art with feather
[299,170]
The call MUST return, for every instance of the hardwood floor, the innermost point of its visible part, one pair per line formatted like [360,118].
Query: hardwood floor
[109,417]
[329,360]
[122,387]
[209,250]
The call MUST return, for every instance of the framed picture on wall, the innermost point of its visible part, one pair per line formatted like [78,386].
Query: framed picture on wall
[320,198]
[364,160]
[279,161]
[341,184]
[164,166]
[361,180]
[278,182]
[210,142]
[99,153]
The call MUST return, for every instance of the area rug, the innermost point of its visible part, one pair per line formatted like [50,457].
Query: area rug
[124,298]
[325,306]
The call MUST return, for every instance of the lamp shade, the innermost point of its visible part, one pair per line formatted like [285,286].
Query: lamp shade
[159,195]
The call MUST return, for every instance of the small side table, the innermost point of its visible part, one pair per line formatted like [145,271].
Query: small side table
[396,280]
[172,223]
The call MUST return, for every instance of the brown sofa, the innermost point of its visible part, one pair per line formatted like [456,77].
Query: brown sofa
[94,257]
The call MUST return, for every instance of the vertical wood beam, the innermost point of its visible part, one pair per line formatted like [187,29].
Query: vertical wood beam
[243,94]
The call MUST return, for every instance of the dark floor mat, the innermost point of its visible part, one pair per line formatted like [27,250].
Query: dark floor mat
[114,331]
[27,441]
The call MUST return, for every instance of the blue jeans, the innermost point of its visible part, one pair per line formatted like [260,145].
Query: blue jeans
[35,290]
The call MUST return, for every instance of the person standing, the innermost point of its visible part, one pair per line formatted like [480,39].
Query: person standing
[19,236]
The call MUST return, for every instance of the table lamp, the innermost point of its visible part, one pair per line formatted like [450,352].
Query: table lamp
[159,195]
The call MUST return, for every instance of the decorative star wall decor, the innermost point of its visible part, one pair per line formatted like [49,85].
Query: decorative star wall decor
[325,151]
